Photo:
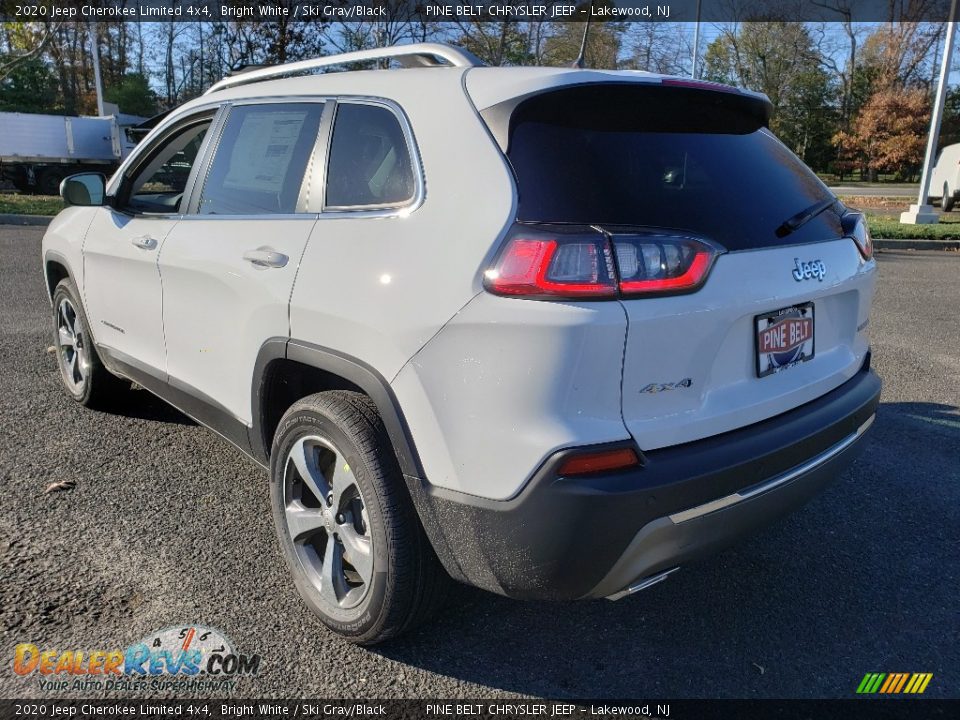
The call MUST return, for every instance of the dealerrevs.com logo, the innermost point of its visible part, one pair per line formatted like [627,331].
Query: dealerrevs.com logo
[184,657]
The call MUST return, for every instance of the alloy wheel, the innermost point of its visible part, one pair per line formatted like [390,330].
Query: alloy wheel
[326,519]
[72,347]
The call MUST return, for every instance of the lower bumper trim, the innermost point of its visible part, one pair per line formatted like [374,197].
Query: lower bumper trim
[643,584]
[746,494]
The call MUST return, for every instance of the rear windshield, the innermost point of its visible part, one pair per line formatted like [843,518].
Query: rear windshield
[679,158]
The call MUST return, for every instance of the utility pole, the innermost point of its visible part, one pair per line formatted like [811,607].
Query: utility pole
[696,43]
[95,51]
[922,213]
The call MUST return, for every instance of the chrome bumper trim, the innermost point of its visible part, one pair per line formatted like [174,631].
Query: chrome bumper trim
[812,464]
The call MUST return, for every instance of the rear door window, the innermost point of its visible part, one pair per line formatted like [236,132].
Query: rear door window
[677,158]
[261,159]
[370,164]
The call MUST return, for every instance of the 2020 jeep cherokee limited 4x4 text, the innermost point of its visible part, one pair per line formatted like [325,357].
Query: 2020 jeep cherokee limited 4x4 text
[551,332]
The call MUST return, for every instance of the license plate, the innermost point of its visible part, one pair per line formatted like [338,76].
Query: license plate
[784,338]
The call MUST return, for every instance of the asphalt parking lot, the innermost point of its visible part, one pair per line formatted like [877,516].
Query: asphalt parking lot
[168,524]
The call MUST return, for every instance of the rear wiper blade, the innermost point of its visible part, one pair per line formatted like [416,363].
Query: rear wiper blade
[796,222]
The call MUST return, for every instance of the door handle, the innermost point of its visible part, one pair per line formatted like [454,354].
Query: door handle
[144,242]
[264,257]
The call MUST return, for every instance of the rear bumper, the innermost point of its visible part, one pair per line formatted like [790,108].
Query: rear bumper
[565,538]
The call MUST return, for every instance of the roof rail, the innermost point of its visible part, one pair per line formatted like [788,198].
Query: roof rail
[413,55]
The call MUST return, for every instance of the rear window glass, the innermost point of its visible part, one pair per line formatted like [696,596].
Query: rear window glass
[260,161]
[676,158]
[369,163]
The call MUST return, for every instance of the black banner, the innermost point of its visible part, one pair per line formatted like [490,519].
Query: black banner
[507,709]
[430,11]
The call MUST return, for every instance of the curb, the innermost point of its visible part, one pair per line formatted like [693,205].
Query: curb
[25,219]
[886,244]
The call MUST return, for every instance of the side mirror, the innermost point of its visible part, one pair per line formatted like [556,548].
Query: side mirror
[85,189]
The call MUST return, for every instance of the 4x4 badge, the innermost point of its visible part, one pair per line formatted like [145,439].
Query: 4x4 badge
[662,387]
[806,270]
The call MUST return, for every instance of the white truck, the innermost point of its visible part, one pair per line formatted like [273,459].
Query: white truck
[945,183]
[38,151]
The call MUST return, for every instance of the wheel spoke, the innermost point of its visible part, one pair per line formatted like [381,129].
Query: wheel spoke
[70,316]
[357,551]
[67,338]
[333,586]
[304,458]
[75,367]
[342,481]
[302,521]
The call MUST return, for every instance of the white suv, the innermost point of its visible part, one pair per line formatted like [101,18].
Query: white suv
[551,332]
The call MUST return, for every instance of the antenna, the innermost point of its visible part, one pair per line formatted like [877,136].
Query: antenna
[579,62]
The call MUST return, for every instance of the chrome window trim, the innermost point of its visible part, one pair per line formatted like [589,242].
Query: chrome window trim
[400,209]
[276,216]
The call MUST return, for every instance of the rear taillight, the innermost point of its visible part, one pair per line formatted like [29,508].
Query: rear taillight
[553,262]
[662,264]
[578,262]
[855,227]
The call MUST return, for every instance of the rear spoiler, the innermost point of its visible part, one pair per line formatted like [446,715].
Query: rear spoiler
[755,108]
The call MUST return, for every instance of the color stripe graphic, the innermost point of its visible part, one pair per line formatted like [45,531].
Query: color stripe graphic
[894,683]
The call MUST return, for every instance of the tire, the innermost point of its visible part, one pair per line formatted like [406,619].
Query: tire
[21,184]
[82,373]
[359,556]
[49,181]
[947,200]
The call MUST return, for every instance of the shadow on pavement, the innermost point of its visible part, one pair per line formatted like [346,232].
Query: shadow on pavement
[797,610]
[144,405]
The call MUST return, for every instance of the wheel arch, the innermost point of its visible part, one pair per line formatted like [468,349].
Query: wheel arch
[288,370]
[55,269]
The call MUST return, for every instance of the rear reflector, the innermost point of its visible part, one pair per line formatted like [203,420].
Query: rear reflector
[599,461]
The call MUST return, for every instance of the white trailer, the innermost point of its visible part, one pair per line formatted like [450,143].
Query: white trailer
[38,151]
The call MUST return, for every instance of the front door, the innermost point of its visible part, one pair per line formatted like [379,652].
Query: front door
[122,292]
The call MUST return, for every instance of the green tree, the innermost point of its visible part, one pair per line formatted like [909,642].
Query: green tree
[780,60]
[603,44]
[133,95]
[950,130]
[497,43]
[29,87]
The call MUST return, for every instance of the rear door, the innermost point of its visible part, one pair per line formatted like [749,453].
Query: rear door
[782,315]
[228,267]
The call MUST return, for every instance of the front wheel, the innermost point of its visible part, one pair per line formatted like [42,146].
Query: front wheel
[947,200]
[346,525]
[84,377]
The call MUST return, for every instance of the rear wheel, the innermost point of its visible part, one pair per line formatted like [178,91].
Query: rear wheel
[947,201]
[346,525]
[49,181]
[84,377]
